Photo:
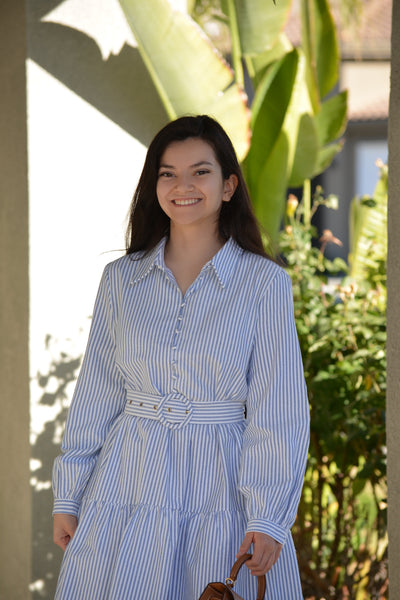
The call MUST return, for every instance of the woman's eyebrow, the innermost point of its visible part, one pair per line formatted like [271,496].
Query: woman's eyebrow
[198,164]
[202,162]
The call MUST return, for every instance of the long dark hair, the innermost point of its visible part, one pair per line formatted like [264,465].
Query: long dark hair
[147,221]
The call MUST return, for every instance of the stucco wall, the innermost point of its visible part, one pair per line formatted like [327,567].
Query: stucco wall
[14,316]
[393,344]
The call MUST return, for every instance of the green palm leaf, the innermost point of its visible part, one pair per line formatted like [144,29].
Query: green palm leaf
[259,23]
[188,73]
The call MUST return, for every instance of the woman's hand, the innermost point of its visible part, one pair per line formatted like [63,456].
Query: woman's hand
[265,553]
[64,527]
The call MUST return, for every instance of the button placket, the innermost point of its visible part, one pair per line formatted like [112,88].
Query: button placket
[175,340]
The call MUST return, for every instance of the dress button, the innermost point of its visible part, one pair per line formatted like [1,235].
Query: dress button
[155,406]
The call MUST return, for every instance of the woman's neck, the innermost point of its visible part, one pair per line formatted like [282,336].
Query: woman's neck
[188,250]
[193,245]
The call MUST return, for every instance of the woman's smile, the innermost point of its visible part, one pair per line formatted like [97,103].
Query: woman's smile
[186,201]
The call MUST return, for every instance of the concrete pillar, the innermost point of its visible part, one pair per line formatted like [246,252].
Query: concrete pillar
[15,526]
[393,315]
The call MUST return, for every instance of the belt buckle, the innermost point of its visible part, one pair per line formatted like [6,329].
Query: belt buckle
[167,408]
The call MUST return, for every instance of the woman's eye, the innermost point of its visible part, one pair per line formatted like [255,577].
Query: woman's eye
[202,172]
[165,174]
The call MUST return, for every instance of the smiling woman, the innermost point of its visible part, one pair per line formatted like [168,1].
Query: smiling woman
[191,190]
[190,178]
[187,437]
[148,222]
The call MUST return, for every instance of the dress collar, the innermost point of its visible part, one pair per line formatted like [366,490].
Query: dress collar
[223,262]
[147,262]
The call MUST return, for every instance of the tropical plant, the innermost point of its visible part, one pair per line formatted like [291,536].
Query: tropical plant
[341,528]
[368,227]
[188,73]
[289,133]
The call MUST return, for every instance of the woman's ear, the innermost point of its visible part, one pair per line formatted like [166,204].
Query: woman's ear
[230,186]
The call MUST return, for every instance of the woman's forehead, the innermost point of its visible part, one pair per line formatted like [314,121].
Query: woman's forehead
[191,151]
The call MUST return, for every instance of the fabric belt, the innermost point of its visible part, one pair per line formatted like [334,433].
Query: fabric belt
[174,410]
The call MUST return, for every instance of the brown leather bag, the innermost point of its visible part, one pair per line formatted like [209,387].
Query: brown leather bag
[224,591]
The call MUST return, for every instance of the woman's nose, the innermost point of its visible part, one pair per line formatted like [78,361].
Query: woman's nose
[183,182]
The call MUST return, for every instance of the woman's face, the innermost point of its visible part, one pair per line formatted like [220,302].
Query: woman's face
[190,185]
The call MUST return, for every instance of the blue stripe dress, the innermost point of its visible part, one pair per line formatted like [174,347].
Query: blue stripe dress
[188,427]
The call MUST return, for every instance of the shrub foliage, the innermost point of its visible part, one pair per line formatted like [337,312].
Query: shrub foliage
[340,532]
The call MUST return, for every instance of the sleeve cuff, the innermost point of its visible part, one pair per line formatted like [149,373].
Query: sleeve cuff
[263,526]
[67,507]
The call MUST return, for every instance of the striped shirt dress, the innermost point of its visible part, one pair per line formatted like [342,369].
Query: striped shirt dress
[188,427]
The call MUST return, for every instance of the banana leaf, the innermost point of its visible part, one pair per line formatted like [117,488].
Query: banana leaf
[331,119]
[320,45]
[259,22]
[269,109]
[330,122]
[187,71]
[284,147]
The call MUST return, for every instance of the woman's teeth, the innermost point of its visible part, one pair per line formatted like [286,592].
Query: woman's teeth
[186,201]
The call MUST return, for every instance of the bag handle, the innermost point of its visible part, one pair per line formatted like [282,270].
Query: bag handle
[231,580]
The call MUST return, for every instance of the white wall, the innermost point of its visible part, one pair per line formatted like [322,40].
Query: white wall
[82,172]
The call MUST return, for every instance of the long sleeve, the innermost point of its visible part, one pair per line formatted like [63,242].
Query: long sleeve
[98,399]
[276,437]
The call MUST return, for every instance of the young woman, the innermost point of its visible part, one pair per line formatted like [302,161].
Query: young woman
[187,437]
